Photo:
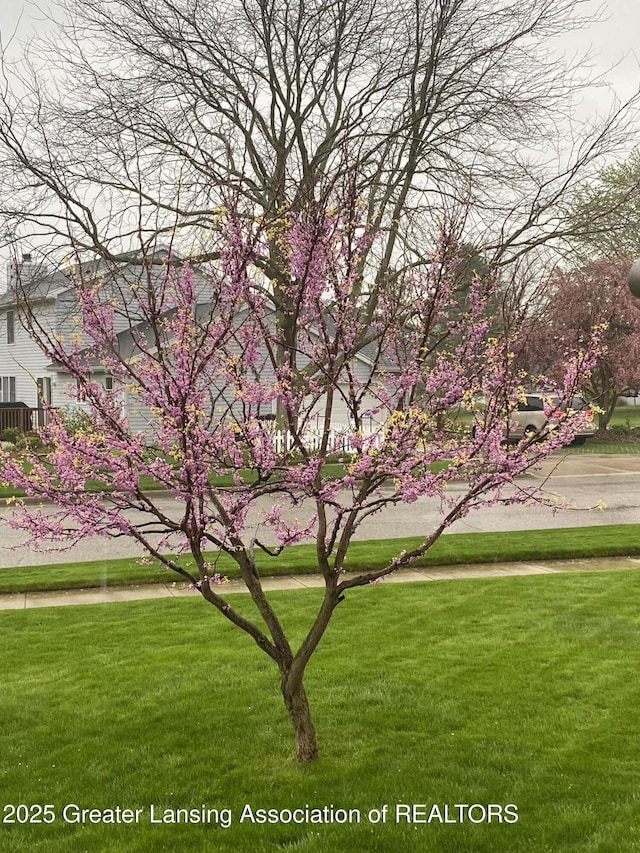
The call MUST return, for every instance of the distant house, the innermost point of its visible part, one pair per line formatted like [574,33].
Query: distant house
[42,300]
[140,418]
[24,374]
[28,377]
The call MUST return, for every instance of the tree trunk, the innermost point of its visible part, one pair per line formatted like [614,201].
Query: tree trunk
[603,418]
[297,705]
[608,404]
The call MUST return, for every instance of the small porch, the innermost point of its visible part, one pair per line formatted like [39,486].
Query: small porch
[22,417]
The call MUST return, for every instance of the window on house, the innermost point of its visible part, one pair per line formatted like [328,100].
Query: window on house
[11,327]
[8,389]
[44,390]
[108,383]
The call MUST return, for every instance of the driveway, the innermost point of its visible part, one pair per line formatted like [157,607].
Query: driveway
[572,464]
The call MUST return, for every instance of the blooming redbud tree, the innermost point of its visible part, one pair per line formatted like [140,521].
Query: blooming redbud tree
[205,361]
[579,300]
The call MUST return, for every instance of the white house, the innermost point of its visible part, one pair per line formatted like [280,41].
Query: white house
[43,302]
[24,374]
[28,377]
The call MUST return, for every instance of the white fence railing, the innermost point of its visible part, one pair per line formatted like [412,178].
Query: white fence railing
[339,438]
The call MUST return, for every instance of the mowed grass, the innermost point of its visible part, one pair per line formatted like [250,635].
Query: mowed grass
[610,540]
[623,415]
[331,470]
[621,447]
[517,691]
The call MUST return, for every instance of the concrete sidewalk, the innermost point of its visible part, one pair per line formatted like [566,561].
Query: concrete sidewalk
[28,600]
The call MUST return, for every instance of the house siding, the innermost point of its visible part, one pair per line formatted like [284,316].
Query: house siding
[59,316]
[23,358]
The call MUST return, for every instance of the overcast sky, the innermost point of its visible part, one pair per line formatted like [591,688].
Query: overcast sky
[613,40]
[613,43]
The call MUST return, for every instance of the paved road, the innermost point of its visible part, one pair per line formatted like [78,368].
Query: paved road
[581,482]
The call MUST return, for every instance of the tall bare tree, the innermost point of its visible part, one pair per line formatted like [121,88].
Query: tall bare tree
[138,118]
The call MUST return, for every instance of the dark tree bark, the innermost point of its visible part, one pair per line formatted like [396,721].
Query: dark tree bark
[296,703]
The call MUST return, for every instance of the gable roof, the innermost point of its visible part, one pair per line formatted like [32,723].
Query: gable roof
[40,288]
[36,283]
[127,339]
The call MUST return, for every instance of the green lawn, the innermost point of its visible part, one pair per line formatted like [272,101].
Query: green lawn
[331,470]
[146,483]
[609,540]
[624,415]
[612,448]
[518,690]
